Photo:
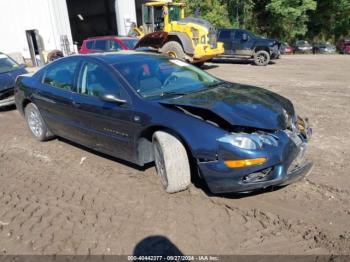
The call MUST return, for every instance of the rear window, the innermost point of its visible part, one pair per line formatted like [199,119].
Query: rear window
[61,75]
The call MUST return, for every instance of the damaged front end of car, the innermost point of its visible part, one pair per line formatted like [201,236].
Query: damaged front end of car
[264,142]
[258,159]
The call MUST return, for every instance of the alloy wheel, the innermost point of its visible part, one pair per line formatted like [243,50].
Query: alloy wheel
[35,123]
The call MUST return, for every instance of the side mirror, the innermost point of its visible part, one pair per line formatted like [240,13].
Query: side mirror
[113,99]
[245,37]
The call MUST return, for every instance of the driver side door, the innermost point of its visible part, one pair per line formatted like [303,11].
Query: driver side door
[242,43]
[105,126]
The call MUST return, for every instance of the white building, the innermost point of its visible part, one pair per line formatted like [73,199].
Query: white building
[28,26]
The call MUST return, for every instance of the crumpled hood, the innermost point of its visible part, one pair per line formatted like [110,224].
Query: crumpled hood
[241,105]
[7,80]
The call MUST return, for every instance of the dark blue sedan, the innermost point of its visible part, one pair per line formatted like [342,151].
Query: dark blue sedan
[9,70]
[146,108]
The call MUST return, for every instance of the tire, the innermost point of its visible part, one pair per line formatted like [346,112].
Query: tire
[36,123]
[172,163]
[261,58]
[173,49]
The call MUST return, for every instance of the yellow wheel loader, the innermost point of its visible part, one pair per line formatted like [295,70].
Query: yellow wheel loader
[166,29]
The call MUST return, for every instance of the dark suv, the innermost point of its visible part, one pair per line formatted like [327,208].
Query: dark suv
[241,43]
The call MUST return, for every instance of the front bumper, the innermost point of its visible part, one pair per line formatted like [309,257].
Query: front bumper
[206,52]
[284,166]
[275,52]
[303,50]
[221,182]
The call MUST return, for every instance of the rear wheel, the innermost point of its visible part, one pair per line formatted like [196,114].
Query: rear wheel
[173,49]
[36,123]
[261,58]
[171,161]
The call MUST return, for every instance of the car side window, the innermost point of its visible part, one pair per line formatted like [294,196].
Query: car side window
[94,80]
[225,35]
[61,75]
[100,45]
[238,35]
[89,44]
[113,45]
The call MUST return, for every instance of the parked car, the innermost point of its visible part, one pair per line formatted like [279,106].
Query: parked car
[239,43]
[286,49]
[9,70]
[107,44]
[143,107]
[344,46]
[324,48]
[302,46]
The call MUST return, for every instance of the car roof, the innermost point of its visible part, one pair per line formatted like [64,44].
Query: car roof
[121,56]
[108,37]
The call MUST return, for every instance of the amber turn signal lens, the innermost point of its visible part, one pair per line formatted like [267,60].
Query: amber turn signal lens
[245,162]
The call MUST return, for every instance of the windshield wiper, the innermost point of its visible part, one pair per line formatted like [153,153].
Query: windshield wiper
[172,93]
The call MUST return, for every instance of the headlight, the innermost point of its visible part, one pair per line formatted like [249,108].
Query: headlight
[253,141]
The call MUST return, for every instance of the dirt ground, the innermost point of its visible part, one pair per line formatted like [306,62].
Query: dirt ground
[59,198]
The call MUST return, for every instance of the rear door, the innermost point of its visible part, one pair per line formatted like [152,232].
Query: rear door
[225,36]
[240,45]
[106,126]
[54,97]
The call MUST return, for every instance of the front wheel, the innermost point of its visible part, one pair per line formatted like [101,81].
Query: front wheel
[171,161]
[261,58]
[36,123]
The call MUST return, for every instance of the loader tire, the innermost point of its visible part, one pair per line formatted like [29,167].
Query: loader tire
[173,49]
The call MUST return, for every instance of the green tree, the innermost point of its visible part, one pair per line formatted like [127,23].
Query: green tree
[214,11]
[330,21]
[288,19]
[241,13]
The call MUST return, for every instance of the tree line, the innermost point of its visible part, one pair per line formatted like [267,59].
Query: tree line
[287,20]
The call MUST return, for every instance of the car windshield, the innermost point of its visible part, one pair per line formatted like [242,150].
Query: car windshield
[7,64]
[160,76]
[130,43]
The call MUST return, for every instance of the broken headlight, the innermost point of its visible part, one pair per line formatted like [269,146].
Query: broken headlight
[253,141]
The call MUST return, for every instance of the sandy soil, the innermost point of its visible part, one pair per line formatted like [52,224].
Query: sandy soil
[59,198]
